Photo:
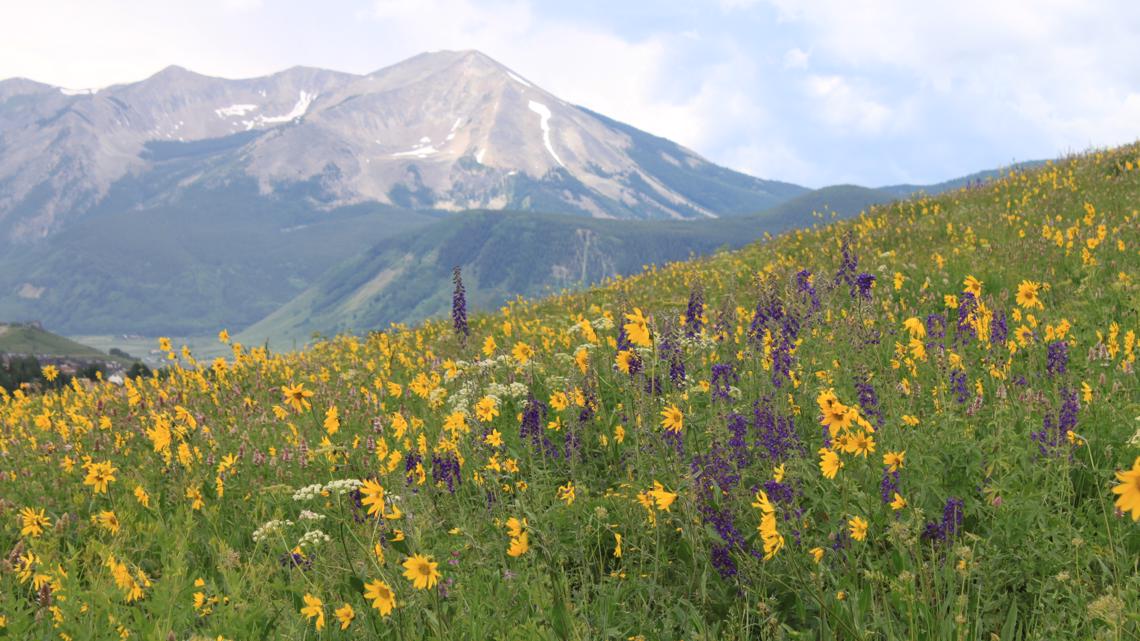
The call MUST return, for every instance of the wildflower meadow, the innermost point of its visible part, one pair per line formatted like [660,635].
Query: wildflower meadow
[922,423]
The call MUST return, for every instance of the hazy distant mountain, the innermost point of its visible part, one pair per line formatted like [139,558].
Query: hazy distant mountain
[447,130]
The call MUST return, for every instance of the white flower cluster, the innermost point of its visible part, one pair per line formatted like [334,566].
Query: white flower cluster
[437,395]
[461,398]
[269,528]
[489,363]
[602,323]
[309,515]
[313,538]
[341,487]
[308,492]
[515,390]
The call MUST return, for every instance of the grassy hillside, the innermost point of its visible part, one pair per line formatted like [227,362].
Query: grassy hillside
[975,179]
[916,424]
[508,254]
[31,340]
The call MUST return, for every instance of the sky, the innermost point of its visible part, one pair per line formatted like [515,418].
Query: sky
[818,92]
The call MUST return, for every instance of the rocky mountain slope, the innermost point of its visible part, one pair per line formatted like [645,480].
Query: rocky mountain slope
[446,130]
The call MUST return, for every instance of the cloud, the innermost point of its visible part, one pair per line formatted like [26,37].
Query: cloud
[842,106]
[1068,68]
[812,91]
[796,58]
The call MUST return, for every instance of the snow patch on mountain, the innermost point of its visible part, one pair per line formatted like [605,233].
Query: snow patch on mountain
[299,109]
[422,151]
[235,110]
[544,122]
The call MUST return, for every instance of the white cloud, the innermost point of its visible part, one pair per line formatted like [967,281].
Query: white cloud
[796,58]
[842,106]
[1067,66]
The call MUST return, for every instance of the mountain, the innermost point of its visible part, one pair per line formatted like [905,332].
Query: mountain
[183,203]
[406,278]
[447,131]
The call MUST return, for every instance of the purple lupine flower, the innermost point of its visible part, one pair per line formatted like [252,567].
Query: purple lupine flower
[888,485]
[715,468]
[767,310]
[1053,438]
[445,470]
[848,265]
[356,502]
[670,352]
[936,326]
[459,307]
[694,313]
[932,532]
[863,284]
[776,435]
[723,376]
[722,561]
[1058,358]
[842,539]
[950,524]
[999,330]
[531,428]
[958,384]
[952,516]
[411,460]
[652,385]
[869,401]
[714,475]
[295,560]
[738,427]
[967,305]
[779,493]
[1070,406]
[674,440]
[781,362]
[805,287]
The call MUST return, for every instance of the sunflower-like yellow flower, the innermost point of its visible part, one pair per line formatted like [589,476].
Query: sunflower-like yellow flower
[33,522]
[421,571]
[1129,490]
[637,328]
[672,419]
[314,608]
[1027,295]
[297,397]
[381,595]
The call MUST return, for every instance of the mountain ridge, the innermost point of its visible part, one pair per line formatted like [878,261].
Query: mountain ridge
[446,130]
